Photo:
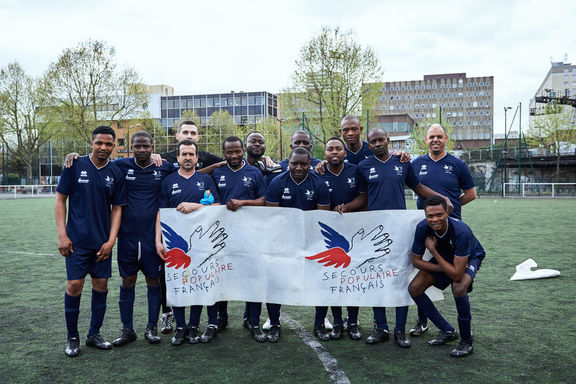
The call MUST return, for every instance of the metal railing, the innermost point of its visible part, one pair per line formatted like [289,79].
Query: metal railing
[18,191]
[539,190]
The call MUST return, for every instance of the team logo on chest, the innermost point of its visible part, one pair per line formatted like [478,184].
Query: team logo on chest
[200,185]
[157,175]
[286,194]
[373,174]
[310,195]
[222,181]
[351,182]
[176,189]
[328,185]
[447,168]
[399,170]
[83,174]
[109,181]
[130,175]
[423,170]
[247,181]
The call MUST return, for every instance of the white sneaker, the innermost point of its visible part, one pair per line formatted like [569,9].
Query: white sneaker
[266,325]
[327,324]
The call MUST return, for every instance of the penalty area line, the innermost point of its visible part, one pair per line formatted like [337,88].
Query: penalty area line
[337,375]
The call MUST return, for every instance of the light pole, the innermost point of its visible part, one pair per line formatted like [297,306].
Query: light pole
[504,175]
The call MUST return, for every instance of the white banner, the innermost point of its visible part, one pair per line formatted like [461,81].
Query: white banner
[289,256]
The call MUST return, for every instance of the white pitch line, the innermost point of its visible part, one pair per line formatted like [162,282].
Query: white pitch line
[337,375]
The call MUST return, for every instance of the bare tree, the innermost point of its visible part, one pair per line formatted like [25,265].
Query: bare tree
[333,78]
[24,123]
[87,88]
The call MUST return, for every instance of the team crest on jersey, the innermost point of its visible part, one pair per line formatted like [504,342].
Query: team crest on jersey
[373,174]
[286,194]
[200,185]
[81,180]
[447,168]
[247,181]
[157,175]
[399,170]
[176,189]
[351,182]
[109,181]
[222,181]
[423,170]
[310,195]
[130,175]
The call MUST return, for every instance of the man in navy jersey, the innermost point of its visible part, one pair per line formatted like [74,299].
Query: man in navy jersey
[136,246]
[383,177]
[188,190]
[356,149]
[297,188]
[239,184]
[96,191]
[457,256]
[447,175]
[341,178]
[255,148]
[300,139]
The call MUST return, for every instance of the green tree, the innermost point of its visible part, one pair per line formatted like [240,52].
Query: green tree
[554,130]
[87,88]
[220,126]
[334,77]
[24,122]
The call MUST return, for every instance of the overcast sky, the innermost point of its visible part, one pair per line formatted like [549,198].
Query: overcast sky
[218,46]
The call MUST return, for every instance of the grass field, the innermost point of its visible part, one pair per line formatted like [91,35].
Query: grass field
[524,330]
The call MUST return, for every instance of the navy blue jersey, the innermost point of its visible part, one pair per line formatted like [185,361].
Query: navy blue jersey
[307,195]
[384,182]
[143,193]
[447,176]
[343,187]
[458,241]
[284,164]
[356,157]
[91,192]
[178,189]
[245,183]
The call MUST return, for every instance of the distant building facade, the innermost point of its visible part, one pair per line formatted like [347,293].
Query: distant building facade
[466,102]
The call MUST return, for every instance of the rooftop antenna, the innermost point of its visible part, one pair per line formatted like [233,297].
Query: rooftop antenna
[565,58]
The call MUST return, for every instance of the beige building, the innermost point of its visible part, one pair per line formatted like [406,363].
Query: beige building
[560,81]
[467,103]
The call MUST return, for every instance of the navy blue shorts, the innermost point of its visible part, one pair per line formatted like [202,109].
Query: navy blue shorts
[442,281]
[135,255]
[83,262]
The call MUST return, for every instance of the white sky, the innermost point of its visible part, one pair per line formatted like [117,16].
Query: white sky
[218,46]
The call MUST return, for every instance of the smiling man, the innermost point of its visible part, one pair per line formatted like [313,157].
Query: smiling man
[94,189]
[356,149]
[457,256]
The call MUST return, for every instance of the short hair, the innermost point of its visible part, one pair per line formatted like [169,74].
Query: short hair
[300,132]
[435,200]
[232,139]
[142,134]
[436,125]
[186,142]
[299,151]
[103,130]
[253,133]
[186,122]
[349,118]
[337,139]
[377,130]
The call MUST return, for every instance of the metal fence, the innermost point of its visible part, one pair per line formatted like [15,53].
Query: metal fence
[22,191]
[539,190]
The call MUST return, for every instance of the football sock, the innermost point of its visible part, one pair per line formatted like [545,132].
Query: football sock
[274,313]
[247,310]
[337,314]
[255,309]
[380,317]
[464,318]
[179,317]
[212,314]
[429,309]
[165,307]
[222,309]
[126,304]
[195,312]
[422,317]
[154,303]
[71,312]
[98,311]
[353,315]
[401,316]
[320,315]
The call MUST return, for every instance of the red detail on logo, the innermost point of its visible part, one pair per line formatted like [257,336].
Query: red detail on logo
[177,258]
[333,257]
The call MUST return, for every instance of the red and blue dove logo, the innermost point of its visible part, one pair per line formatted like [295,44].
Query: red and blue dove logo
[177,248]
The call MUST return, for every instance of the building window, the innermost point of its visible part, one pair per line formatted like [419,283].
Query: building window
[487,83]
[441,86]
[481,83]
[469,84]
[416,87]
[408,88]
[475,84]
[391,107]
[383,89]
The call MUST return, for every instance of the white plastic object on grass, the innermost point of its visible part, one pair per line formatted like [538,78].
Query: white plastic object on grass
[524,271]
